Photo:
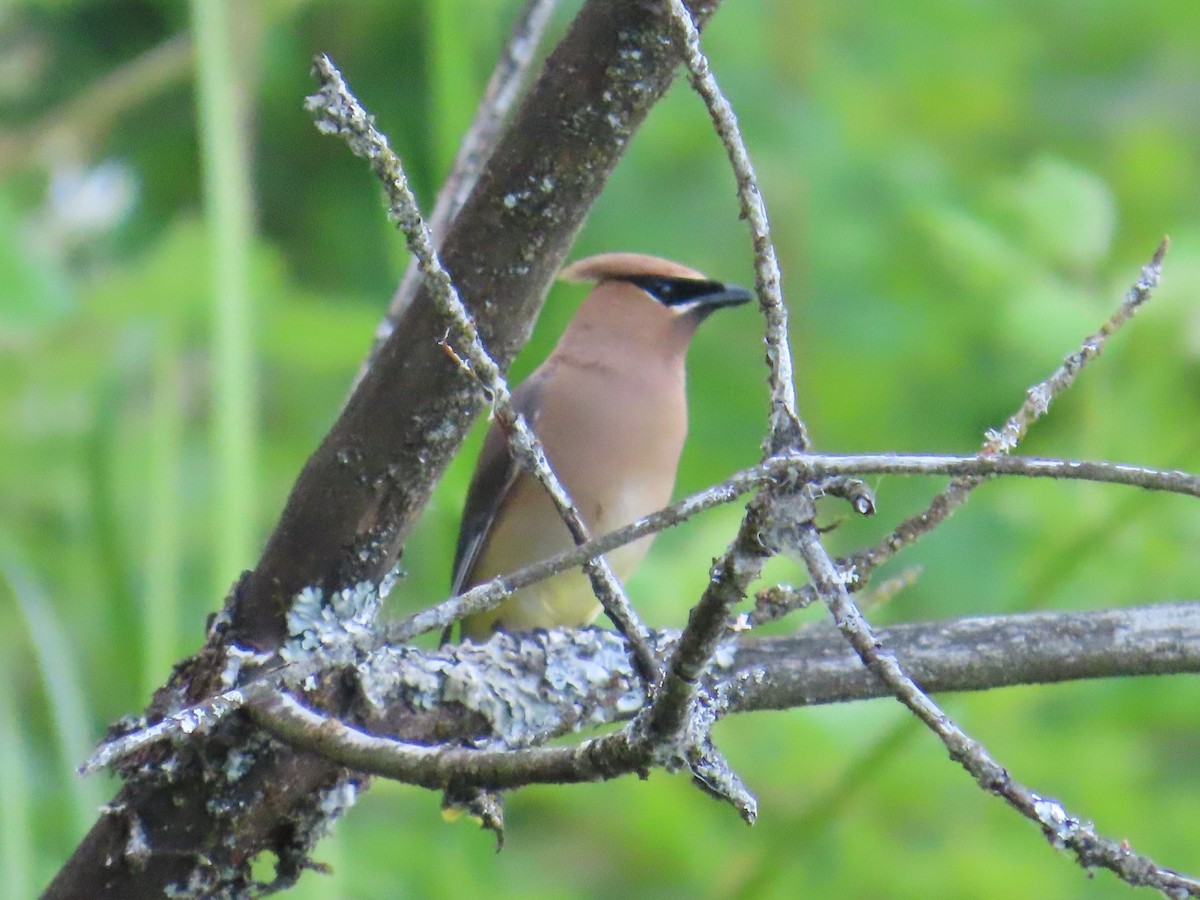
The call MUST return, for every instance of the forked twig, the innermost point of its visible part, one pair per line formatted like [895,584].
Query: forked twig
[859,566]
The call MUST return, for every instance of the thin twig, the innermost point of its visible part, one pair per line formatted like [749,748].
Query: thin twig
[437,767]
[676,722]
[1060,828]
[730,577]
[1002,441]
[827,580]
[816,467]
[786,468]
[787,431]
[999,442]
[489,594]
[498,97]
[339,112]
[477,144]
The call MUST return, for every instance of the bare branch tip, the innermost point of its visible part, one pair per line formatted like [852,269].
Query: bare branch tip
[1163,246]
[323,68]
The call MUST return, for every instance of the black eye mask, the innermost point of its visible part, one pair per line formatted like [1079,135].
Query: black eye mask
[682,291]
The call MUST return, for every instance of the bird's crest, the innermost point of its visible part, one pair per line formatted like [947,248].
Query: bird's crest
[607,266]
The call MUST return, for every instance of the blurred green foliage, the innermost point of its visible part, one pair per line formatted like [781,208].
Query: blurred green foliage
[960,192]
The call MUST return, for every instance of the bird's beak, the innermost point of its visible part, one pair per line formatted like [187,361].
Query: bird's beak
[726,295]
[729,295]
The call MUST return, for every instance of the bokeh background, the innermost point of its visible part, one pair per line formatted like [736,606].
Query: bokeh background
[960,192]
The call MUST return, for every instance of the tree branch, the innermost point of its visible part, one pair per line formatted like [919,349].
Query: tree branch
[195,811]
[1005,439]
[999,442]
[339,112]
[784,469]
[534,687]
[786,429]
[787,518]
[361,491]
[477,145]
[815,666]
[1059,827]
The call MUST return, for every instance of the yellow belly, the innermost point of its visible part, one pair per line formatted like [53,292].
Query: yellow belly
[563,600]
[529,532]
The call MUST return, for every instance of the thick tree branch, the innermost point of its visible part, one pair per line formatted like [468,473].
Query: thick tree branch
[810,668]
[361,491]
[513,676]
[195,811]
[816,666]
[339,112]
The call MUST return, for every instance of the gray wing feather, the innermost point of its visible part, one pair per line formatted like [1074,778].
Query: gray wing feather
[495,474]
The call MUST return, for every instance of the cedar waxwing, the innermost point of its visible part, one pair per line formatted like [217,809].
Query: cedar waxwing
[610,407]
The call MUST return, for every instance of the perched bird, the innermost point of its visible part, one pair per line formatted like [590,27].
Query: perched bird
[610,407]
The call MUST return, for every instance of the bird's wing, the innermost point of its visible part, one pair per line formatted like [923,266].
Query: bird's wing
[495,474]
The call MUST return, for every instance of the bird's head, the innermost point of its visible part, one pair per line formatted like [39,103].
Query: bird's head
[644,302]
